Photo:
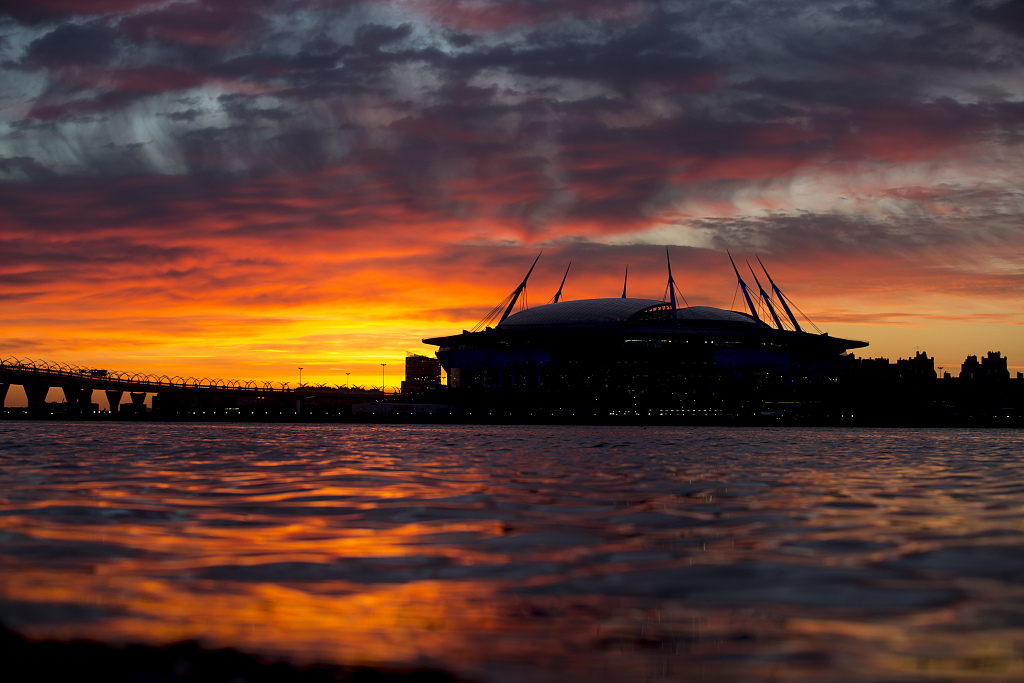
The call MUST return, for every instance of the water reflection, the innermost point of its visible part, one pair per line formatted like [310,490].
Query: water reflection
[523,553]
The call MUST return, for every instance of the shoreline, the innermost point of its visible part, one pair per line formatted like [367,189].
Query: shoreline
[32,660]
[498,419]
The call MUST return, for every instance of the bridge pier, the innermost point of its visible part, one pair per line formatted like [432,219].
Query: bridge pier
[79,399]
[114,399]
[138,402]
[36,394]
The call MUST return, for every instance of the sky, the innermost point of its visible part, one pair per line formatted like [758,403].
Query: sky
[237,189]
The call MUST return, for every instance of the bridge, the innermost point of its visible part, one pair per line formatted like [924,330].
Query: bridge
[170,395]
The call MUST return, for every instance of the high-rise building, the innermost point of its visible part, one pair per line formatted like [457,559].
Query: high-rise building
[421,373]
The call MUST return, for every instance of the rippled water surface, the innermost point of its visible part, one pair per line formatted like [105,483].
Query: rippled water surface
[527,553]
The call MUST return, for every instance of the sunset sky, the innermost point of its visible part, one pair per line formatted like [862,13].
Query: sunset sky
[238,188]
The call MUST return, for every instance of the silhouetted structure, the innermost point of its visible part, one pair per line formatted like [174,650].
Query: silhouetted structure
[641,357]
[992,368]
[874,391]
[422,373]
[172,397]
[920,368]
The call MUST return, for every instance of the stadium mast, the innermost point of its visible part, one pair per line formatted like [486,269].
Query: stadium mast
[625,278]
[767,299]
[782,297]
[671,289]
[558,294]
[743,286]
[519,290]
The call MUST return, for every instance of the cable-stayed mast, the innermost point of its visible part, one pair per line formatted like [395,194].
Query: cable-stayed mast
[782,297]
[671,289]
[743,286]
[624,279]
[558,294]
[519,290]
[507,304]
[767,299]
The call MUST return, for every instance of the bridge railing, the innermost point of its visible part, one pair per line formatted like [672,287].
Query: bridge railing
[65,370]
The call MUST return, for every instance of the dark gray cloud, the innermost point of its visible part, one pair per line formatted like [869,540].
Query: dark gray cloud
[73,45]
[536,114]
[372,37]
[1008,16]
[21,169]
[55,11]
[957,219]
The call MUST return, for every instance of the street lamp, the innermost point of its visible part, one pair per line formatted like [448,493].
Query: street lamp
[382,377]
[300,377]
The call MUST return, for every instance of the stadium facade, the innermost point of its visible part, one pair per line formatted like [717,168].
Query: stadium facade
[642,356]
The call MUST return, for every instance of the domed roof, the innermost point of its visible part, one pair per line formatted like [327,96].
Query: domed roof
[713,314]
[611,311]
[582,312]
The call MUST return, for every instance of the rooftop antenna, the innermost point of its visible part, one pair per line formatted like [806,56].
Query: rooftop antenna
[767,299]
[558,294]
[519,290]
[671,289]
[743,286]
[624,280]
[782,298]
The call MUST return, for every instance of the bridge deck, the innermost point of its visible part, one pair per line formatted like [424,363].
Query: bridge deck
[17,371]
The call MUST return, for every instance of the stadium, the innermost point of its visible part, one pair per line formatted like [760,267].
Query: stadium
[642,356]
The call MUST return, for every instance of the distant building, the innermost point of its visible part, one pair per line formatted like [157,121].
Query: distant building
[970,369]
[918,368]
[421,374]
[992,367]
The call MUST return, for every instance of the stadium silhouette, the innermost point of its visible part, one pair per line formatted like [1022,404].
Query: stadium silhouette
[643,357]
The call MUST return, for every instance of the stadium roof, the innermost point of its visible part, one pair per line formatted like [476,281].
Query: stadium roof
[716,314]
[611,311]
[582,312]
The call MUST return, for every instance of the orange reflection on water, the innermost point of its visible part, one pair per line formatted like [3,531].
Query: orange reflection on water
[391,624]
[531,553]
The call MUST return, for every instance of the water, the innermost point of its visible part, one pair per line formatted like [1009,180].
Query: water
[527,553]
